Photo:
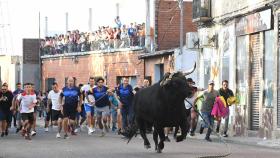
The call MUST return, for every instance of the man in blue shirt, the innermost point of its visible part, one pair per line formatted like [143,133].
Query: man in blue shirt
[125,94]
[71,100]
[102,103]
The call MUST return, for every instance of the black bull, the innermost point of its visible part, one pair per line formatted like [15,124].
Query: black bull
[162,105]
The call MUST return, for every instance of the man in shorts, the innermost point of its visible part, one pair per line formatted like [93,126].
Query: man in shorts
[71,99]
[53,98]
[33,131]
[27,101]
[6,98]
[102,103]
[89,102]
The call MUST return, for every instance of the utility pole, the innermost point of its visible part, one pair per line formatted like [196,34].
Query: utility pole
[148,27]
[46,27]
[118,9]
[181,6]
[39,42]
[90,19]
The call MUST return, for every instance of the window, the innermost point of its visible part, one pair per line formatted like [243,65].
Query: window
[268,67]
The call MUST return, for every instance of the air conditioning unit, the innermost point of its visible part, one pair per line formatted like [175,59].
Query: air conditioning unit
[192,41]
[201,10]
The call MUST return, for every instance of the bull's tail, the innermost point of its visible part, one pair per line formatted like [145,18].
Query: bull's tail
[131,131]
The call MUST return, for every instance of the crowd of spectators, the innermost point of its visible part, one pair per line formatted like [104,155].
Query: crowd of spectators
[105,38]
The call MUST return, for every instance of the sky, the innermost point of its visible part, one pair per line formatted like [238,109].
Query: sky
[20,18]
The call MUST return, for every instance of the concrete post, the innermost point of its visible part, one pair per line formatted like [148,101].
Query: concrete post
[90,20]
[66,22]
[148,28]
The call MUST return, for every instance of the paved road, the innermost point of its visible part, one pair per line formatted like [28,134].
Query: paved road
[45,145]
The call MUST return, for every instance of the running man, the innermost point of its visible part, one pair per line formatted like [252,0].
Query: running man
[15,107]
[226,93]
[15,111]
[102,103]
[207,106]
[80,116]
[89,103]
[53,98]
[71,99]
[125,93]
[48,108]
[6,98]
[33,132]
[27,101]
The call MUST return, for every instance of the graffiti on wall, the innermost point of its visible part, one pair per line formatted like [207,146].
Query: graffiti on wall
[239,121]
[215,70]
[267,124]
[225,40]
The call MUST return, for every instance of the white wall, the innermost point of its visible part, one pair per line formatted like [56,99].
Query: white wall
[186,61]
[221,7]
[8,71]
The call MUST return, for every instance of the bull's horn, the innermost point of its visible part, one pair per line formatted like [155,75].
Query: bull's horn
[190,71]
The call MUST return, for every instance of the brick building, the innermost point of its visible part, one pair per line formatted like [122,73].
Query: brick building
[167,37]
[157,64]
[114,65]
[111,66]
[239,42]
[167,23]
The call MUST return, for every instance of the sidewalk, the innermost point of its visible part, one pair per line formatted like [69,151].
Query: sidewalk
[253,141]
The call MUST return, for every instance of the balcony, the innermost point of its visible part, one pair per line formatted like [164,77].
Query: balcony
[105,40]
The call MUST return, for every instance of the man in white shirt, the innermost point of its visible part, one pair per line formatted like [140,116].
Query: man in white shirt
[27,101]
[53,98]
[89,102]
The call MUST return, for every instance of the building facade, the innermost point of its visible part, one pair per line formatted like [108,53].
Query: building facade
[10,70]
[31,70]
[167,23]
[157,64]
[111,66]
[238,42]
